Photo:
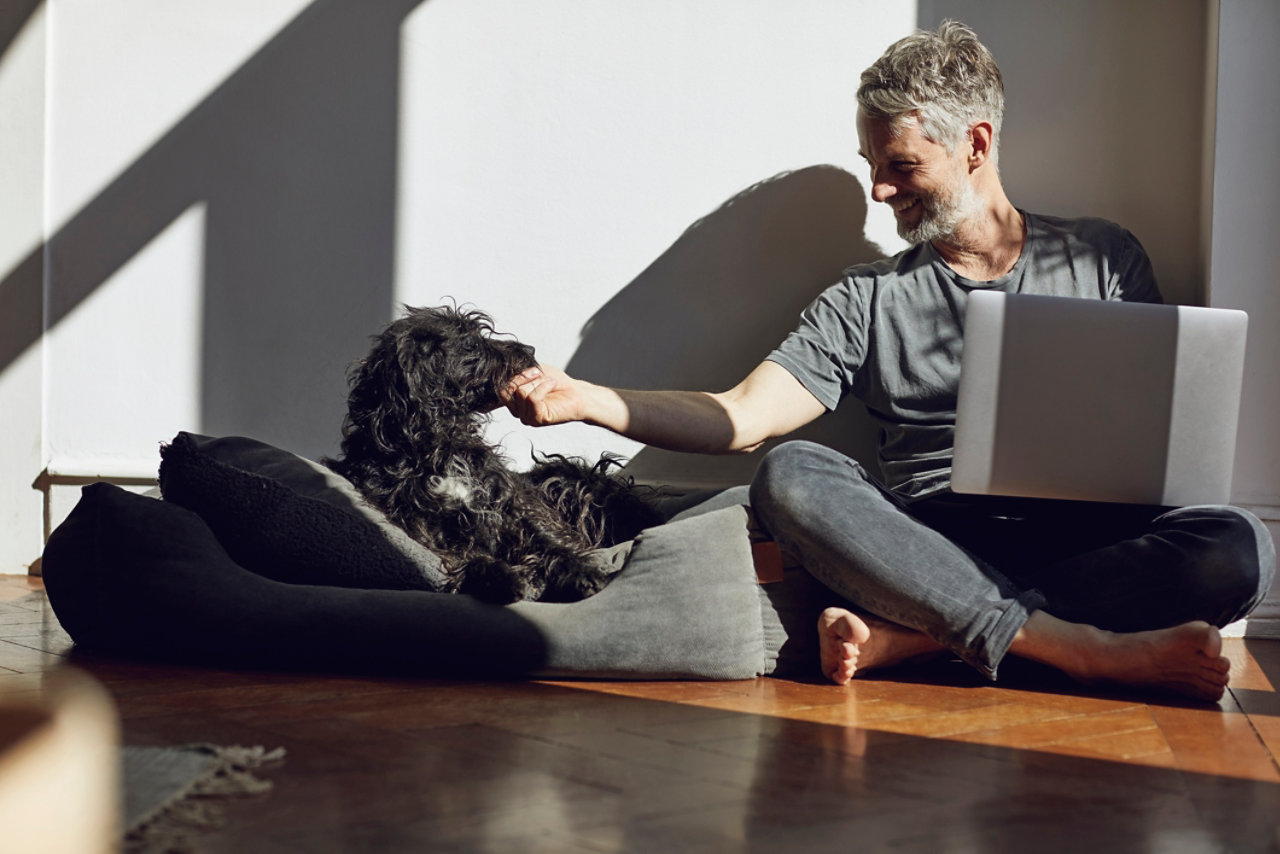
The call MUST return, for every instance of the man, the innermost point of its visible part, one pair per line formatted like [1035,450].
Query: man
[1128,595]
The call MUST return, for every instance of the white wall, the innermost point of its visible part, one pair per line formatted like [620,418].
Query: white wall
[23,30]
[555,156]
[541,176]
[1245,271]
[1245,260]
[241,192]
[136,162]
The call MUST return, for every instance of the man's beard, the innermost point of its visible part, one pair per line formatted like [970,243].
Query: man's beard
[941,215]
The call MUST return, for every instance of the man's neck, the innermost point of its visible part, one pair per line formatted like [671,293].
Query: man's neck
[987,246]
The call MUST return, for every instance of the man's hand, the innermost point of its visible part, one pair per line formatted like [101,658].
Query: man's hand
[545,395]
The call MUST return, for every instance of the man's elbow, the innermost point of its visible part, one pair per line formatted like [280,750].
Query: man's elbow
[745,440]
[743,433]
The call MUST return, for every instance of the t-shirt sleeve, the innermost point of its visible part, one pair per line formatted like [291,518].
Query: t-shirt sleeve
[829,345]
[1132,277]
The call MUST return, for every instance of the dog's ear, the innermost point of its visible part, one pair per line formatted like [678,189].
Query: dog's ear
[421,362]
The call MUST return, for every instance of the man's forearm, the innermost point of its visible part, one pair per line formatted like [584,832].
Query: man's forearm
[690,421]
[768,402]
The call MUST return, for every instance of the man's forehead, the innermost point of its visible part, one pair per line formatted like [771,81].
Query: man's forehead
[877,132]
[894,126]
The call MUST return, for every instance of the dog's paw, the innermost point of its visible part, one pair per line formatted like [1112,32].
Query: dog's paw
[574,583]
[494,581]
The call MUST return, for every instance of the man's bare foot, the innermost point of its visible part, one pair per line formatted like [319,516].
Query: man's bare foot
[849,644]
[1185,659]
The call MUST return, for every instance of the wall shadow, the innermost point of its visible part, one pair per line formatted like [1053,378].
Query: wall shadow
[712,306]
[22,288]
[294,157]
[14,15]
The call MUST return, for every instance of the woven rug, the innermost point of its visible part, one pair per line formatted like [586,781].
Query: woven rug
[172,794]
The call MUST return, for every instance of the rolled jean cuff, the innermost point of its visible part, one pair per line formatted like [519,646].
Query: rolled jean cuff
[986,656]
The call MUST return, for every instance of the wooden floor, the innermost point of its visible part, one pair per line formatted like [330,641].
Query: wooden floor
[928,760]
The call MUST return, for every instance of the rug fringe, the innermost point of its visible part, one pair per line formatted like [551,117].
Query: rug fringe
[170,830]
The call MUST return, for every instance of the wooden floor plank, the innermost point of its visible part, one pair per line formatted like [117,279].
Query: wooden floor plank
[1067,729]
[924,760]
[1212,743]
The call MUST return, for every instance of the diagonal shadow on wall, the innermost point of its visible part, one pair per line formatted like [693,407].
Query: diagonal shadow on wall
[294,157]
[21,289]
[14,15]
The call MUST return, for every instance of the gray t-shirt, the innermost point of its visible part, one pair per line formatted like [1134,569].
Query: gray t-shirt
[890,333]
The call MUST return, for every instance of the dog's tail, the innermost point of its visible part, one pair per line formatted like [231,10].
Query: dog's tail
[605,508]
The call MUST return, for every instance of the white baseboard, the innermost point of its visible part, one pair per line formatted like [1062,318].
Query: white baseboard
[1264,622]
[1265,512]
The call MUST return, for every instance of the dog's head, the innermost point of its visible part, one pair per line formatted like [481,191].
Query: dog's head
[445,359]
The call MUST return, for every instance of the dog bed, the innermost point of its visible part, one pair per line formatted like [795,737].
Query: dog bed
[256,557]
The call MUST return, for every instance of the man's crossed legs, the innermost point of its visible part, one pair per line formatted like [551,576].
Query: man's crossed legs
[1105,593]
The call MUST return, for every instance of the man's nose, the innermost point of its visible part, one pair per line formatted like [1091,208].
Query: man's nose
[882,191]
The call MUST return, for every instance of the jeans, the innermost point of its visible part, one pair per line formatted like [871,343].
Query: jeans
[968,571]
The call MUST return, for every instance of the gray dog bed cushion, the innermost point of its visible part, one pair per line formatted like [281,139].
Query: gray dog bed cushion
[132,575]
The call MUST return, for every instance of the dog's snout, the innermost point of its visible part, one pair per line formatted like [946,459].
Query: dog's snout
[521,356]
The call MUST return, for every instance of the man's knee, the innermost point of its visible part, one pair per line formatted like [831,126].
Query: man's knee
[1237,557]
[795,476]
[795,473]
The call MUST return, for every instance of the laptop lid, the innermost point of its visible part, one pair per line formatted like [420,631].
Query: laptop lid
[1098,401]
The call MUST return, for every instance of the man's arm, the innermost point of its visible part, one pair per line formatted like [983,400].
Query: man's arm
[769,402]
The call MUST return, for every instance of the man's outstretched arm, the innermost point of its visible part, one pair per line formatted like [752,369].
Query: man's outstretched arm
[769,402]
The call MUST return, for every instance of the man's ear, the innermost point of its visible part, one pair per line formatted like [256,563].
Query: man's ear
[981,140]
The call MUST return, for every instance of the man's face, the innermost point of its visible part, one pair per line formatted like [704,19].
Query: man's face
[927,186]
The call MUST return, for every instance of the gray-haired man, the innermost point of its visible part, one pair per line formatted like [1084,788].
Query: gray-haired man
[1128,595]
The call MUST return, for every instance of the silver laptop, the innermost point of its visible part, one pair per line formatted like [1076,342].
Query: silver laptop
[1098,401]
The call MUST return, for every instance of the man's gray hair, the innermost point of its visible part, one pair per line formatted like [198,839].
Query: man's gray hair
[947,80]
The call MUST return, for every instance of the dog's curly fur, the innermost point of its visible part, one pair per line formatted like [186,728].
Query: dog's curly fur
[413,445]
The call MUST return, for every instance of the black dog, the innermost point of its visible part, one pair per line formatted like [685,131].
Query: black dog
[412,445]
